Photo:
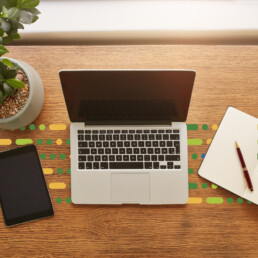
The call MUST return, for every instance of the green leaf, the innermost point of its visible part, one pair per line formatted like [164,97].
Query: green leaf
[34,11]
[26,17]
[28,3]
[16,36]
[7,62]
[5,25]
[1,94]
[10,73]
[7,40]
[3,50]
[12,13]
[8,90]
[2,79]
[15,83]
[34,19]
[1,32]
[20,26]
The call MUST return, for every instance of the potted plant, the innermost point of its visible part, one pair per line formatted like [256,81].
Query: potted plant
[21,89]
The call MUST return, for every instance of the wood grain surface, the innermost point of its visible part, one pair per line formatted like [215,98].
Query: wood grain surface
[226,76]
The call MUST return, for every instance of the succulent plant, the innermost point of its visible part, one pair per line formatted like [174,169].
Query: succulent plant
[13,14]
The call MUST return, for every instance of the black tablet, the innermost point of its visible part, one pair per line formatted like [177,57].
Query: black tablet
[24,194]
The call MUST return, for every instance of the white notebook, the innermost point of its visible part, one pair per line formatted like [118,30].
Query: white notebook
[221,164]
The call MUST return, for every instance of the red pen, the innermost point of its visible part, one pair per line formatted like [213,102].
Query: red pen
[247,177]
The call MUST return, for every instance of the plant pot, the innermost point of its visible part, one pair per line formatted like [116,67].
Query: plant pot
[34,103]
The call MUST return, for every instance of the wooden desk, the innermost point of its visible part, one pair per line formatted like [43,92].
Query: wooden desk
[226,76]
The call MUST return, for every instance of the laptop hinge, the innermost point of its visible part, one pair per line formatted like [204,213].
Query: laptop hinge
[128,122]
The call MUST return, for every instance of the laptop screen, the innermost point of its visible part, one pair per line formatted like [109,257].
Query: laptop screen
[127,95]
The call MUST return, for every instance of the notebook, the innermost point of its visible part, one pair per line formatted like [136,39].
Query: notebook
[222,165]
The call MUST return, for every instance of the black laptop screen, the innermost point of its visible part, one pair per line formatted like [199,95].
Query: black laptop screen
[127,95]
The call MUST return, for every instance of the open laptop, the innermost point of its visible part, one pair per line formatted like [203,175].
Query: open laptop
[128,135]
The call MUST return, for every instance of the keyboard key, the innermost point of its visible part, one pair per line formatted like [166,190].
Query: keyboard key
[80,137]
[165,136]
[116,131]
[164,151]
[100,151]
[82,158]
[129,151]
[102,137]
[109,137]
[161,131]
[172,157]
[87,137]
[151,137]
[134,144]
[146,131]
[121,151]
[113,144]
[111,157]
[93,151]
[137,137]
[99,144]
[138,131]
[144,137]
[108,151]
[147,157]
[87,131]
[168,131]
[148,165]
[158,137]
[171,151]
[105,144]
[97,158]
[150,151]
[169,144]
[157,150]
[104,165]
[82,144]
[155,144]
[170,165]
[115,137]
[126,158]
[161,158]
[119,144]
[148,144]
[133,158]
[80,132]
[141,144]
[127,144]
[81,165]
[177,166]
[174,136]
[115,151]
[129,137]
[95,165]
[104,158]
[136,151]
[143,150]
[163,167]
[109,131]
[131,131]
[154,158]
[124,131]
[89,158]
[175,131]
[122,137]
[84,151]
[119,158]
[102,131]
[92,144]
[126,165]
[88,165]
[162,144]
[153,131]
[140,157]
[156,165]
[95,131]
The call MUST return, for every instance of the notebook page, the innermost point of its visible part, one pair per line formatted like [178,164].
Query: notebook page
[221,164]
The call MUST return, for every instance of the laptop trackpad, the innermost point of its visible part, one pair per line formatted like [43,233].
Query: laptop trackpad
[130,187]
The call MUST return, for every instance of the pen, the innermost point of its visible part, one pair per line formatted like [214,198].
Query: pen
[247,177]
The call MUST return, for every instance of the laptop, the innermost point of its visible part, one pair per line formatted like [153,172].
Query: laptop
[128,135]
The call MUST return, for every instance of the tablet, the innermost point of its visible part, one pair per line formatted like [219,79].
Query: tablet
[24,194]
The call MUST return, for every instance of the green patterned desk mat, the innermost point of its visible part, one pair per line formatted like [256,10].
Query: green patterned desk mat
[199,138]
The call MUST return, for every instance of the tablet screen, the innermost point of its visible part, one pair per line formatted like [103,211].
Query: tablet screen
[23,191]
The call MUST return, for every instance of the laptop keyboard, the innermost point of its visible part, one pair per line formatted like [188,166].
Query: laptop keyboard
[128,149]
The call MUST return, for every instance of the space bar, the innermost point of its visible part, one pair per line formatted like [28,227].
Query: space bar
[125,165]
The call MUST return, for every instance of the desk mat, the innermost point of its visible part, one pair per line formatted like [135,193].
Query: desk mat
[53,144]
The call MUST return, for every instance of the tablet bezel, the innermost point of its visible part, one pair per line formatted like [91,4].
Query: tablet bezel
[28,217]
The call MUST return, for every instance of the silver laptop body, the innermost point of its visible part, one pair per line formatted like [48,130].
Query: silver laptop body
[128,135]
